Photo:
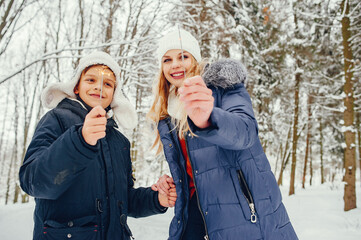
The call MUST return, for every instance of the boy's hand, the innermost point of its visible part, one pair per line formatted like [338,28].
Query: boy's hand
[94,125]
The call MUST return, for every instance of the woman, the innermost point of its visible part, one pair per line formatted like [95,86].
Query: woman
[206,125]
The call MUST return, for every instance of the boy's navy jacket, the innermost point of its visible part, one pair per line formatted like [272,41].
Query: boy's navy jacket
[227,161]
[82,191]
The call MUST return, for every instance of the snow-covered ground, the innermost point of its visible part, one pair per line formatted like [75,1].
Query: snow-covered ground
[316,213]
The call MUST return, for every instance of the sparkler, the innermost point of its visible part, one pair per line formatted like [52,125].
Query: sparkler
[101,88]
[180,40]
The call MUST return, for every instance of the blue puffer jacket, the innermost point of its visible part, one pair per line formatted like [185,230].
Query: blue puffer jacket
[238,194]
[81,191]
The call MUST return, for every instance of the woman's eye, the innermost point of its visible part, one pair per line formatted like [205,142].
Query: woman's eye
[184,57]
[166,60]
[89,80]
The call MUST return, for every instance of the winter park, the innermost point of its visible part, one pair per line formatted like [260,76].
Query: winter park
[192,119]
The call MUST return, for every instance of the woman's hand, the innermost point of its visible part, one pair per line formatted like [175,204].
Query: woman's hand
[198,100]
[163,184]
[168,200]
[94,125]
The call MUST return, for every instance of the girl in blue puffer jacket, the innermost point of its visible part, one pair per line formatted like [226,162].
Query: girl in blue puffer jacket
[78,165]
[206,126]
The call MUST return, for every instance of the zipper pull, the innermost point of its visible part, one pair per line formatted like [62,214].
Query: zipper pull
[253,215]
[206,237]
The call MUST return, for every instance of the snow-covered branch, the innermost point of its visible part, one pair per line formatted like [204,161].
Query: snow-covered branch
[54,55]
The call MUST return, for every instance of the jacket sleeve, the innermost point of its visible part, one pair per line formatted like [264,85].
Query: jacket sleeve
[233,125]
[142,202]
[54,159]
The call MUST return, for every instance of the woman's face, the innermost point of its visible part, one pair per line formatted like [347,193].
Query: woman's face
[174,67]
[89,86]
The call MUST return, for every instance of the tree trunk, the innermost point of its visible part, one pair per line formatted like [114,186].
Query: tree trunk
[284,165]
[10,14]
[348,115]
[285,159]
[3,143]
[8,182]
[321,151]
[81,41]
[113,6]
[17,192]
[138,103]
[359,139]
[295,132]
[15,157]
[278,157]
[307,139]
[311,168]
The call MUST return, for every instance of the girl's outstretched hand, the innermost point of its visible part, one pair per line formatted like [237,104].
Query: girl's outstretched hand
[94,125]
[198,100]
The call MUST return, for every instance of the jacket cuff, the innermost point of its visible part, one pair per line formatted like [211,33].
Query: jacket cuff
[159,207]
[86,149]
[210,130]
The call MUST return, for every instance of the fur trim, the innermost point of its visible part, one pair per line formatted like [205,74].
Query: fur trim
[224,73]
[123,110]
[175,106]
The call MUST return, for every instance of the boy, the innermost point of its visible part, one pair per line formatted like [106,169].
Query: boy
[78,165]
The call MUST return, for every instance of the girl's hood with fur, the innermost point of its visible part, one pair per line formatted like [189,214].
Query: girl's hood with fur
[224,73]
[123,110]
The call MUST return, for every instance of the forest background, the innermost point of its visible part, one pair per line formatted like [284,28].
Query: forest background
[302,57]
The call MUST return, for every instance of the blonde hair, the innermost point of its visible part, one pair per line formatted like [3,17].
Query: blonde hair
[158,111]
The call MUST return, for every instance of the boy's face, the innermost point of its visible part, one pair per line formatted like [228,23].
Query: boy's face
[89,86]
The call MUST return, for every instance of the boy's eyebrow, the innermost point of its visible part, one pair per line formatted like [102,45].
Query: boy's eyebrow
[105,77]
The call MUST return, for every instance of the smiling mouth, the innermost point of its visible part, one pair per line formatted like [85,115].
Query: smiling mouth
[177,75]
[96,95]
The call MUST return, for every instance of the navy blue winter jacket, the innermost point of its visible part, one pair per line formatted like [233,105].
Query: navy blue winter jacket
[81,191]
[238,194]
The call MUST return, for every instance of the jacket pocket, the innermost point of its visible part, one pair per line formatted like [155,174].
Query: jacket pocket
[244,195]
[248,195]
[77,229]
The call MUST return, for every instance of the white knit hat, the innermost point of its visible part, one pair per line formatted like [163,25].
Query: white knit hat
[179,39]
[123,110]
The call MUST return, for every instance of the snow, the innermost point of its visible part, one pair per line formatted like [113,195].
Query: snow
[316,214]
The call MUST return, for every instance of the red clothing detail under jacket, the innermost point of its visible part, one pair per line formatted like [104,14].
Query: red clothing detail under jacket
[188,166]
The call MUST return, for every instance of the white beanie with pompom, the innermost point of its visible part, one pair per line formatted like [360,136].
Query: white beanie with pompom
[178,39]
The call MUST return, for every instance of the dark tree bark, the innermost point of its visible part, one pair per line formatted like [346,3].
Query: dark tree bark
[348,115]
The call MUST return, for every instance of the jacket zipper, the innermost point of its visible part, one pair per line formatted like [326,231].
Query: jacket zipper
[195,187]
[247,194]
[183,173]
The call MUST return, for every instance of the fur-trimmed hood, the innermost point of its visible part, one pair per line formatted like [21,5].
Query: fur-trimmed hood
[224,73]
[124,112]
